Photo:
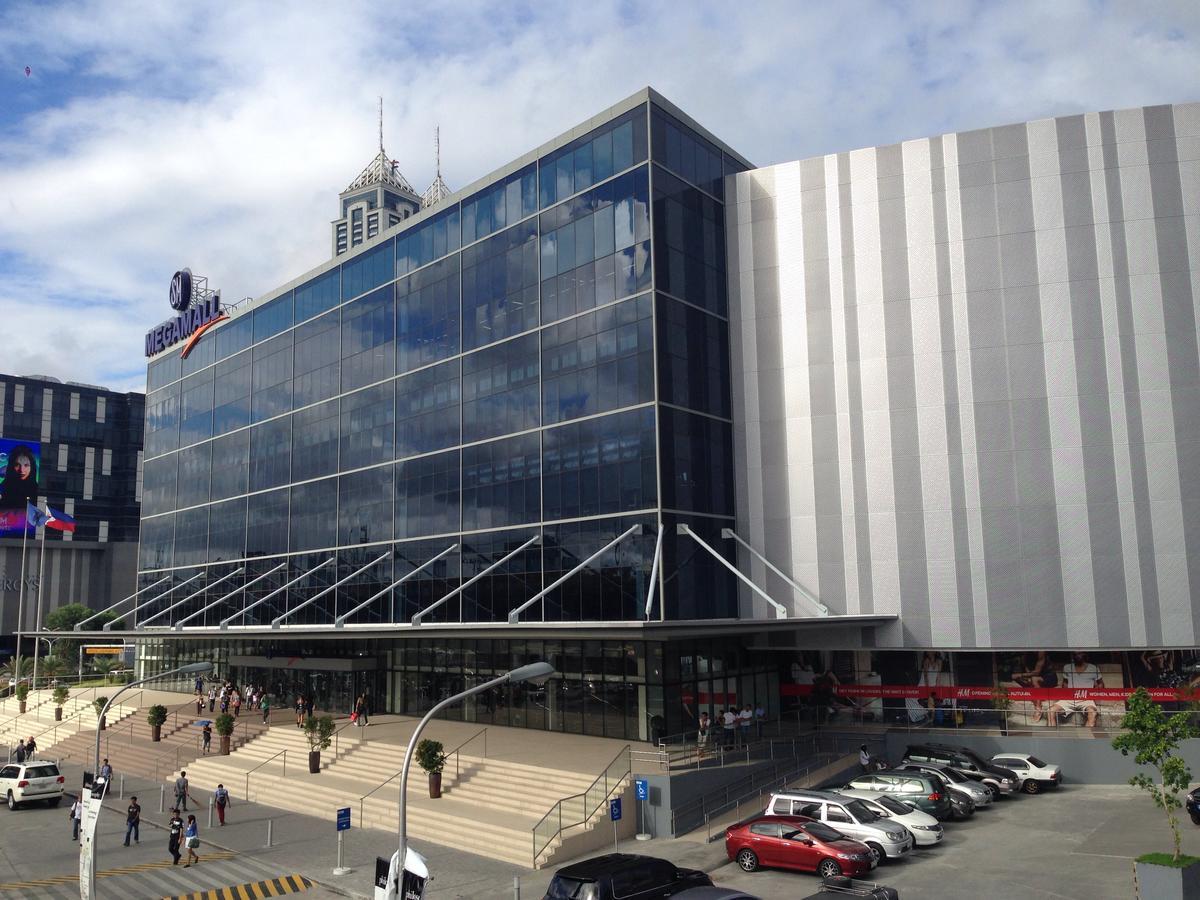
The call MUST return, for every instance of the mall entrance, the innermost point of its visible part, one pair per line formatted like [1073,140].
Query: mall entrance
[333,684]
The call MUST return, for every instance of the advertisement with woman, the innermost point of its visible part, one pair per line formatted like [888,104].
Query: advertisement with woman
[20,476]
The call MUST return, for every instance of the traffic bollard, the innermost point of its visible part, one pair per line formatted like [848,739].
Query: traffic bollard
[210,809]
[270,822]
[516,887]
[162,796]
[122,794]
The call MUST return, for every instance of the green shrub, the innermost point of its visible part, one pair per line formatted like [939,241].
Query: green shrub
[431,756]
[225,723]
[319,731]
[157,715]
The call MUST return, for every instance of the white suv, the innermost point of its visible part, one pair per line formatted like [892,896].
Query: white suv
[1034,773]
[849,815]
[25,783]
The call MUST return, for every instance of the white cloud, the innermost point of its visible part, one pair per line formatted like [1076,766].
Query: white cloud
[218,135]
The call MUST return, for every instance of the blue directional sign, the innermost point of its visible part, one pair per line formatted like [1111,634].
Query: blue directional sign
[643,788]
[343,819]
[614,809]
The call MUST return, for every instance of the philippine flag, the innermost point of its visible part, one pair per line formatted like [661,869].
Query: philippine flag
[34,516]
[59,521]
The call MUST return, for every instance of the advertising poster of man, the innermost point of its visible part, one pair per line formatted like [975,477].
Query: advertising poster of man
[20,476]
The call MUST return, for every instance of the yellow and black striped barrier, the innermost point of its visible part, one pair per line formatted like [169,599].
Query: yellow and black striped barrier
[252,890]
[107,873]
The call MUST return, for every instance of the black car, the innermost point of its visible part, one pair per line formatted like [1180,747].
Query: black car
[839,887]
[1192,804]
[622,875]
[1000,780]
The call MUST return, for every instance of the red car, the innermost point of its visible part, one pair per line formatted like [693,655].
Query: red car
[796,842]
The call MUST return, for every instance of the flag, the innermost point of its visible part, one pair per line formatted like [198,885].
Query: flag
[59,521]
[34,517]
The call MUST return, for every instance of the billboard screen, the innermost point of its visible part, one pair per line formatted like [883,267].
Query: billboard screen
[20,477]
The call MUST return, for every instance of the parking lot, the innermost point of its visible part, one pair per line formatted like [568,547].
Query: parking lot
[1078,841]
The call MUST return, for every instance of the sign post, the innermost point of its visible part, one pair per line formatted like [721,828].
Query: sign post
[343,825]
[614,813]
[643,794]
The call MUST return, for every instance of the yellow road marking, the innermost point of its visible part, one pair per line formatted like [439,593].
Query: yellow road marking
[252,890]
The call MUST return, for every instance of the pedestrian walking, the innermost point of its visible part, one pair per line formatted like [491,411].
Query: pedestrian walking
[299,711]
[181,792]
[193,841]
[174,835]
[728,725]
[30,748]
[106,772]
[76,817]
[212,699]
[206,734]
[20,752]
[221,799]
[360,711]
[199,704]
[237,704]
[864,759]
[702,733]
[133,818]
[199,685]
[309,706]
[266,710]
[745,717]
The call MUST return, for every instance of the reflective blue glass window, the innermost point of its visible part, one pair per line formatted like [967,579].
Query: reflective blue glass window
[315,435]
[598,361]
[689,243]
[191,537]
[693,362]
[313,521]
[432,239]
[156,543]
[501,483]
[227,534]
[365,508]
[160,478]
[267,523]
[427,495]
[162,371]
[273,317]
[272,378]
[196,408]
[203,353]
[697,462]
[317,359]
[500,204]
[599,466]
[162,420]
[430,584]
[427,315]
[504,588]
[500,286]
[368,426]
[229,475]
[428,409]
[231,393]
[686,154]
[318,295]
[612,147]
[370,269]
[193,475]
[613,587]
[500,389]
[271,454]
[368,339]
[234,335]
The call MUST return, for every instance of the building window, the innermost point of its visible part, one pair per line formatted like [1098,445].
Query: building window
[73,414]
[599,466]
[18,398]
[62,457]
[501,483]
[106,461]
[89,471]
[101,409]
[102,534]
[500,286]
[500,389]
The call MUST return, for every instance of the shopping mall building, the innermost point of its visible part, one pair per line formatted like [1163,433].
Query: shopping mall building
[912,418]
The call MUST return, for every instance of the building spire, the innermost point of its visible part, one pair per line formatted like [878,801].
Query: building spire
[437,191]
[380,124]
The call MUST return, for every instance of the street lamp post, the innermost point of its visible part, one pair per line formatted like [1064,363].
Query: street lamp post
[536,672]
[190,669]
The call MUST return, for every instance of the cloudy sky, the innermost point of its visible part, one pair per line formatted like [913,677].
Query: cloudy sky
[153,135]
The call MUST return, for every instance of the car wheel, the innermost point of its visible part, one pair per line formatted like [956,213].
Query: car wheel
[829,869]
[12,802]
[1195,818]
[53,802]
[877,854]
[1031,787]
[748,860]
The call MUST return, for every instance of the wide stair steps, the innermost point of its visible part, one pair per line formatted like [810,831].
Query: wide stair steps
[488,807]
[38,721]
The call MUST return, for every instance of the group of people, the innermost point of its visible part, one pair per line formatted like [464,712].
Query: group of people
[230,697]
[735,726]
[25,750]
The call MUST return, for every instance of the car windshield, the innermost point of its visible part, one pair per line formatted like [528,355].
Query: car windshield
[824,832]
[1037,762]
[951,775]
[571,889]
[893,806]
[45,771]
[861,811]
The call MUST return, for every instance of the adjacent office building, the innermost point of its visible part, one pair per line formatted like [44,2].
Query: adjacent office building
[702,434]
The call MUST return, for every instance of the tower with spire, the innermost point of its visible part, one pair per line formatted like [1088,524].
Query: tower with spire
[438,191]
[377,199]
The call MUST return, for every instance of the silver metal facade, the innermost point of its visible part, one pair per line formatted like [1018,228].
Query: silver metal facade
[966,381]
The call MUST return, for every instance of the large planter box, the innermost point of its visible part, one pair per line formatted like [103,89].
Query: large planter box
[1157,882]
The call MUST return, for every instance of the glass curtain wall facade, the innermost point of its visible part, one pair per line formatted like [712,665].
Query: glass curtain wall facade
[545,358]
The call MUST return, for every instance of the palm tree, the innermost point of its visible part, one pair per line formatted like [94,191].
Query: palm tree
[50,666]
[9,670]
[104,665]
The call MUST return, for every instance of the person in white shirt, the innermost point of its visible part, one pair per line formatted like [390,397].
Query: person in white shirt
[1079,675]
[729,723]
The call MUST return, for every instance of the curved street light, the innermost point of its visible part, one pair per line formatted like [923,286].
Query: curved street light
[537,672]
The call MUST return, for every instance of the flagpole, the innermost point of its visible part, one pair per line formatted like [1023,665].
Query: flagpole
[41,580]
[21,594]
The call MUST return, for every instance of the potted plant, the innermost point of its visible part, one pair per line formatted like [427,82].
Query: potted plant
[22,695]
[432,758]
[319,731]
[225,723]
[60,697]
[157,717]
[1153,738]
[98,705]
[1002,703]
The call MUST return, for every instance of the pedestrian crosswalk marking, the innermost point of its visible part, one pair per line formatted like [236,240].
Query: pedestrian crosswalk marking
[252,890]
[107,873]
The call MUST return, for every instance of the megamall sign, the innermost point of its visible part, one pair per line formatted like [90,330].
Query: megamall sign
[192,321]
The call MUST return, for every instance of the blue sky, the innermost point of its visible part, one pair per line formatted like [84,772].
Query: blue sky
[155,135]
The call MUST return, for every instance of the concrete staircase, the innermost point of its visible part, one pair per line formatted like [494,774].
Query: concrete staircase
[489,806]
[38,720]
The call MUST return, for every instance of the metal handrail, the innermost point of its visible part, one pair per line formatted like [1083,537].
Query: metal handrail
[775,783]
[373,790]
[455,751]
[587,813]
[282,753]
[335,738]
[54,728]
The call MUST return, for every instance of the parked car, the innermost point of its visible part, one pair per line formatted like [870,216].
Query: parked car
[1001,781]
[839,888]
[796,842]
[626,876]
[29,782]
[848,815]
[960,785]
[926,792]
[714,893]
[1034,773]
[1192,804]
[926,830]
[963,806]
